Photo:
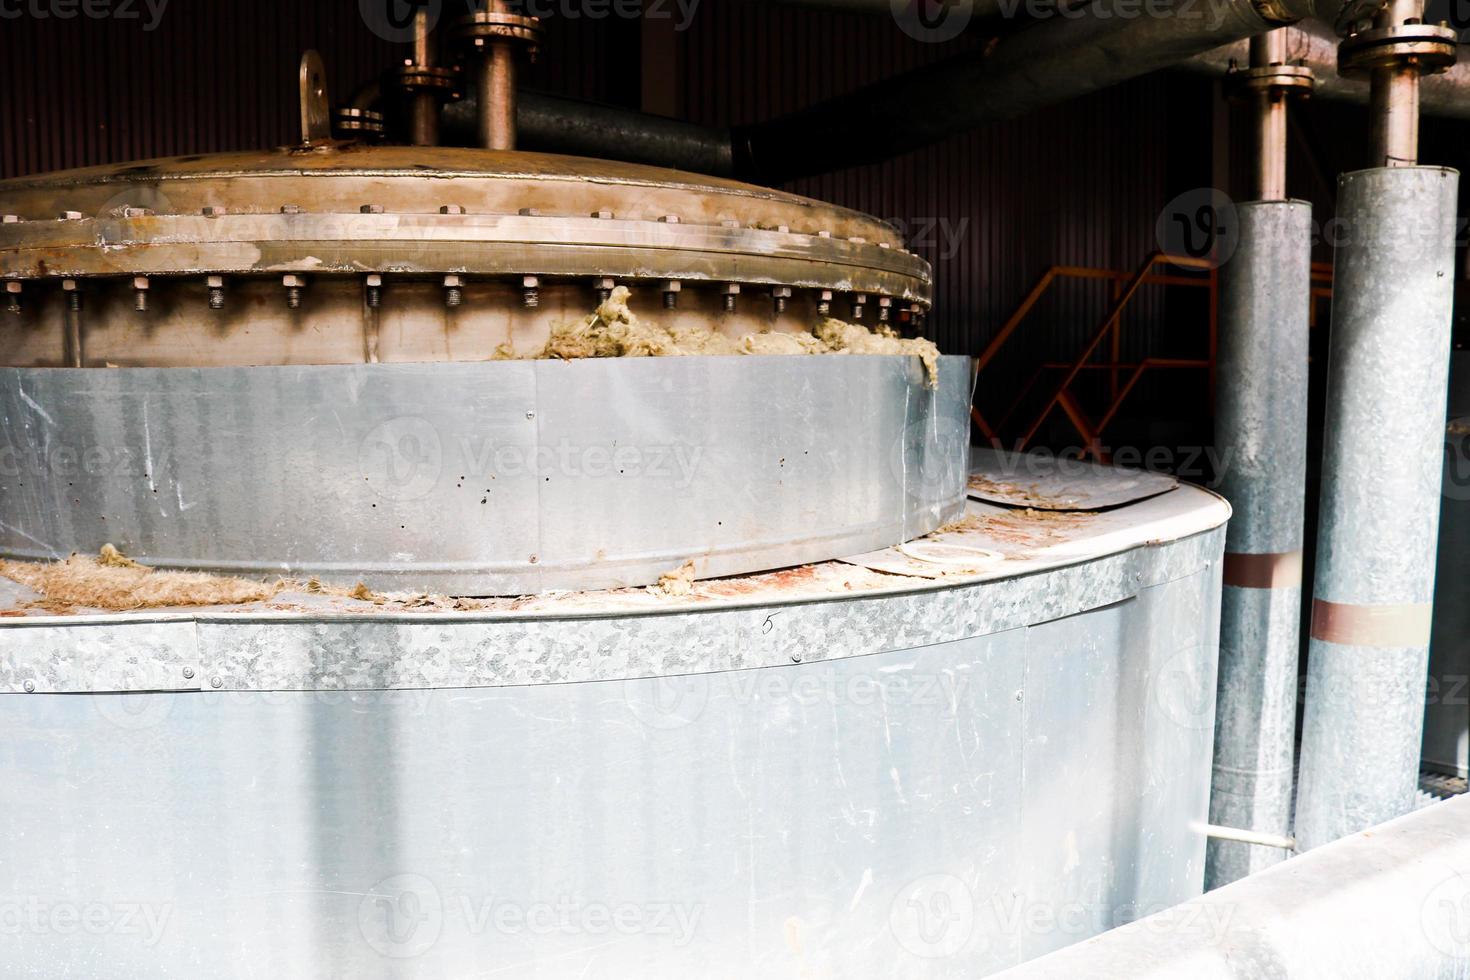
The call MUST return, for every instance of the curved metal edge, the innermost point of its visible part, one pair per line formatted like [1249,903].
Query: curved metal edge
[307,653]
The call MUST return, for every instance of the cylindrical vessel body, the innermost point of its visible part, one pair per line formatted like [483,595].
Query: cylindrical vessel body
[1261,435]
[1381,472]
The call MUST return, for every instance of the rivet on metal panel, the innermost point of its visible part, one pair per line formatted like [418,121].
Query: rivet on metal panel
[30,687]
[188,673]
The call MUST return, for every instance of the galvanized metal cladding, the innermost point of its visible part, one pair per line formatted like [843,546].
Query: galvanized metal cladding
[919,719]
[460,250]
[507,477]
[1261,429]
[1367,663]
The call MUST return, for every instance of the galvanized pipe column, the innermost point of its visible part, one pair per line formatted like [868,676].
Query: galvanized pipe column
[1261,433]
[1262,440]
[1387,377]
[1367,661]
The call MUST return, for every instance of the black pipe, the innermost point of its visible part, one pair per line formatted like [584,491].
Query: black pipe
[552,124]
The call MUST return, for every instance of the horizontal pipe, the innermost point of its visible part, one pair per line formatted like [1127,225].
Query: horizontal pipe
[552,124]
[1047,62]
[1393,904]
[1216,832]
[1314,44]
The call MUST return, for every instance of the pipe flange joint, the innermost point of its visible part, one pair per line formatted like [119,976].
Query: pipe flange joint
[350,122]
[1428,47]
[1270,80]
[412,79]
[478,30]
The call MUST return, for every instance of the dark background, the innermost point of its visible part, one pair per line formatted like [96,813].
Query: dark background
[1081,183]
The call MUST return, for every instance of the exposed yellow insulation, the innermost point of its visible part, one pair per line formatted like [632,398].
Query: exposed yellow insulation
[614,330]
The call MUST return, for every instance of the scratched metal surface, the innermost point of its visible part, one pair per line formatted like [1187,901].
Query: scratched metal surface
[498,478]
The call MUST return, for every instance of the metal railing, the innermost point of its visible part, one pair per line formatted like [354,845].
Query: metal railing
[1123,377]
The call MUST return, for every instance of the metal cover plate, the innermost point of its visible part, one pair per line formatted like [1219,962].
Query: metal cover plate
[1048,482]
[485,478]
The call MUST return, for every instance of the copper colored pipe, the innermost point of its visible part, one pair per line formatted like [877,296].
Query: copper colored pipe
[1266,50]
[424,109]
[1393,97]
[497,98]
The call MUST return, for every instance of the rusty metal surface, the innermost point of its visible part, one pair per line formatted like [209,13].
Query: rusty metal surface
[1044,481]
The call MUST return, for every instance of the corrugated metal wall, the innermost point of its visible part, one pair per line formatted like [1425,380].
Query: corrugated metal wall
[1077,184]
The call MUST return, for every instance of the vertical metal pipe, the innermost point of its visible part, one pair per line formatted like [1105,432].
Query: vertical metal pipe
[1393,96]
[1381,470]
[1393,106]
[496,99]
[1270,105]
[424,111]
[1261,434]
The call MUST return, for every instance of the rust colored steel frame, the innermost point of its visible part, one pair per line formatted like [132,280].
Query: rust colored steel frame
[1125,287]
